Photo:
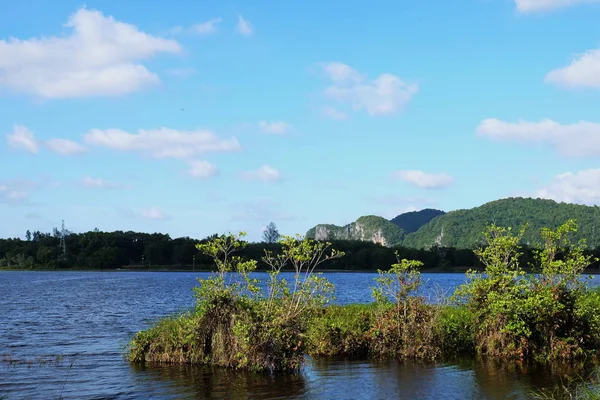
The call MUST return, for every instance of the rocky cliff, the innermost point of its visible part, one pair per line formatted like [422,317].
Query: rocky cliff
[368,228]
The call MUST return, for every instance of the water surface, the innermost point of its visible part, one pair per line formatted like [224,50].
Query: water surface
[62,334]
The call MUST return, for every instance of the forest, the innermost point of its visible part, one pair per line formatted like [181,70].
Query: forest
[155,251]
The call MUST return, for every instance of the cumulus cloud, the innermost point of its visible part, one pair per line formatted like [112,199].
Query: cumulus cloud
[265,173]
[65,147]
[22,138]
[583,72]
[100,57]
[334,113]
[244,26]
[576,140]
[202,169]
[274,127]
[384,95]
[580,187]
[424,180]
[529,6]
[162,142]
[153,213]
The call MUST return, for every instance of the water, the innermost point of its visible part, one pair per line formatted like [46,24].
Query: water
[62,335]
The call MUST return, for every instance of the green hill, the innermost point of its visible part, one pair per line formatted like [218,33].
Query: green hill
[463,228]
[413,220]
[368,228]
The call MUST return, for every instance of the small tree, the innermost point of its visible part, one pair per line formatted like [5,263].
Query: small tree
[271,234]
[309,288]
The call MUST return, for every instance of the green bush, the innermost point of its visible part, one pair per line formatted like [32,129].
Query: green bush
[456,326]
[341,331]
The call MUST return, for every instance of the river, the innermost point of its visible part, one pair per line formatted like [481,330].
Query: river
[63,334]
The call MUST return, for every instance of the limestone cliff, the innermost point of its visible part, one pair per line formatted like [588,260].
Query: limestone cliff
[369,228]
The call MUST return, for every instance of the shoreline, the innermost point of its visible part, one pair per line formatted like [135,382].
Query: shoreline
[368,271]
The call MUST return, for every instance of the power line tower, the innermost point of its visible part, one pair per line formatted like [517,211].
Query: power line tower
[63,244]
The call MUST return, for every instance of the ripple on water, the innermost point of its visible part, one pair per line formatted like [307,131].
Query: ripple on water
[65,333]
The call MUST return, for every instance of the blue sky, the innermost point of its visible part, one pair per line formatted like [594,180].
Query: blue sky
[192,118]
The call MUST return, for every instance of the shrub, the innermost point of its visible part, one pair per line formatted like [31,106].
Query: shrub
[545,316]
[341,331]
[234,324]
[404,324]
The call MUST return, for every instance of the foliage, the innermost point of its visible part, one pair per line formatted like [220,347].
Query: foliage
[341,331]
[235,324]
[501,312]
[456,330]
[543,316]
[405,324]
[462,228]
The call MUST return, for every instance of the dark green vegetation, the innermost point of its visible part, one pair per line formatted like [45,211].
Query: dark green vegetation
[411,221]
[134,250]
[502,314]
[462,229]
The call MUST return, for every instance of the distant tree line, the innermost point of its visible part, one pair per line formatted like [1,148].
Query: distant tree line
[135,250]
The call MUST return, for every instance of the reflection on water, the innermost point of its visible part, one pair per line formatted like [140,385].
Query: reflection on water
[216,383]
[84,319]
[343,379]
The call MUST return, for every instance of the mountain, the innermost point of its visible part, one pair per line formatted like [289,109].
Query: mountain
[368,228]
[464,228]
[411,221]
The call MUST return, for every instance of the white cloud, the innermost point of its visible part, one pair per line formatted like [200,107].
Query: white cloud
[581,187]
[244,27]
[424,180]
[153,213]
[265,173]
[98,183]
[334,113]
[202,169]
[65,147]
[274,127]
[528,6]
[100,57]
[384,95]
[208,27]
[583,72]
[23,139]
[162,142]
[578,139]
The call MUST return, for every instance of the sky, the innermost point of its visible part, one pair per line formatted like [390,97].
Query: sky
[199,117]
